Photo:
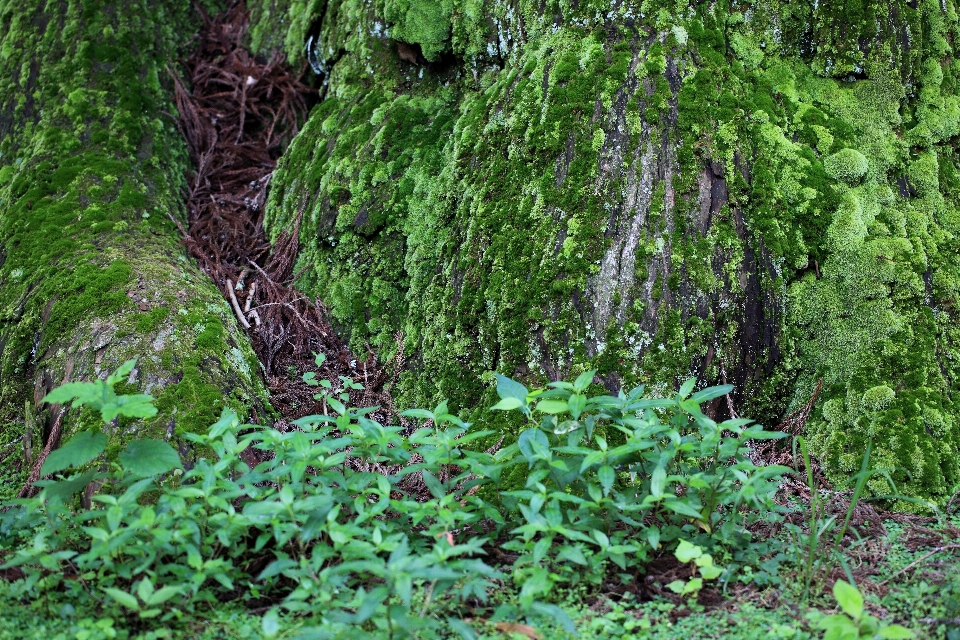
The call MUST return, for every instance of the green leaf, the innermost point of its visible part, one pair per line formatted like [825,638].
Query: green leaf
[896,632]
[533,442]
[66,488]
[228,420]
[710,393]
[271,623]
[693,586]
[584,380]
[84,392]
[123,598]
[507,404]
[145,590]
[684,509]
[848,598]
[653,537]
[607,477]
[507,388]
[687,387]
[465,630]
[710,572]
[162,595]
[677,586]
[686,552]
[149,458]
[657,480]
[837,626]
[133,406]
[434,485]
[422,414]
[122,372]
[552,406]
[80,449]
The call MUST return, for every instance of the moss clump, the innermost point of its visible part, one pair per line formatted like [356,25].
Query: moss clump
[848,166]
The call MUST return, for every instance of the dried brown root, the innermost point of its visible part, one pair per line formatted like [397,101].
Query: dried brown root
[237,112]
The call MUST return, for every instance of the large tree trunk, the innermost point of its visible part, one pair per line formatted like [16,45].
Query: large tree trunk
[764,196]
[92,272]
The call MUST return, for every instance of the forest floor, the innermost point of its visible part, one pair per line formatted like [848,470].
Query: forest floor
[236,114]
[914,580]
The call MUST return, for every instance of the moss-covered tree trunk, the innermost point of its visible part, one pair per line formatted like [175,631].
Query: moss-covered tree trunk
[91,269]
[761,193]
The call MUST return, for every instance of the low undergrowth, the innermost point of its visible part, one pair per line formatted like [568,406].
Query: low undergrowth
[344,527]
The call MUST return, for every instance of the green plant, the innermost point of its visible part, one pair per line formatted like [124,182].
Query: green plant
[854,622]
[818,548]
[703,564]
[618,478]
[375,529]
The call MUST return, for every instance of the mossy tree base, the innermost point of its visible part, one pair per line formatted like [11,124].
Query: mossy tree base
[764,193]
[91,269]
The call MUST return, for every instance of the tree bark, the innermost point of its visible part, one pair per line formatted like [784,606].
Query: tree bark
[762,196]
[92,272]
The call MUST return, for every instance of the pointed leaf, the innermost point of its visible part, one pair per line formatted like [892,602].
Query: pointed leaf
[465,630]
[584,380]
[552,406]
[849,598]
[145,589]
[507,404]
[122,372]
[149,458]
[711,392]
[80,449]
[123,598]
[507,388]
[657,482]
[162,595]
[607,477]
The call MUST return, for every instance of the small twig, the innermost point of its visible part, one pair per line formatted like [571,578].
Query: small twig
[243,277]
[277,304]
[183,231]
[253,290]
[264,273]
[255,316]
[236,305]
[946,547]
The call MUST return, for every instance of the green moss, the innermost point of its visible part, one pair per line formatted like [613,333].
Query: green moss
[149,322]
[848,166]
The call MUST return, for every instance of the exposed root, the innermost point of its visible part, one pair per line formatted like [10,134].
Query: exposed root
[29,490]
